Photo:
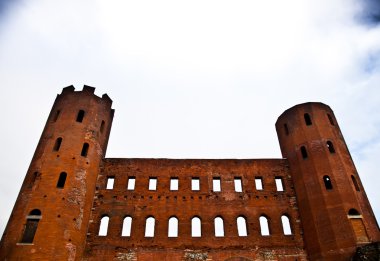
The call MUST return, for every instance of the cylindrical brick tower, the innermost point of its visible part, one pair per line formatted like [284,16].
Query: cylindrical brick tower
[52,212]
[335,213]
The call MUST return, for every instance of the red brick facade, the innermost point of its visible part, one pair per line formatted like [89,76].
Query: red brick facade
[70,188]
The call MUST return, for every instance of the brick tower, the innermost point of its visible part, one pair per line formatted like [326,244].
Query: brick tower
[51,215]
[335,213]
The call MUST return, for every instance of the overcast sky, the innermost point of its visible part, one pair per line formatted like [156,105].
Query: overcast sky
[190,79]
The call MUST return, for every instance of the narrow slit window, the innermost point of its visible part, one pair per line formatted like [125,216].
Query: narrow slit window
[196,227]
[103,228]
[286,225]
[330,146]
[31,226]
[219,227]
[195,184]
[279,184]
[152,183]
[36,175]
[238,184]
[61,180]
[57,144]
[307,119]
[149,227]
[356,185]
[173,227]
[216,184]
[127,227]
[102,127]
[242,226]
[56,115]
[84,150]
[304,152]
[174,184]
[131,183]
[327,181]
[286,129]
[259,183]
[110,182]
[264,226]
[80,116]
[330,119]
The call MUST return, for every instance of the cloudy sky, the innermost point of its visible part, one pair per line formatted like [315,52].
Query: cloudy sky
[190,79]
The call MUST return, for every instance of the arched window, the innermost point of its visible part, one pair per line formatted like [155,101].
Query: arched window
[80,116]
[330,119]
[61,180]
[196,227]
[330,146]
[286,225]
[219,227]
[286,129]
[358,225]
[173,227]
[31,226]
[103,228]
[307,119]
[327,181]
[304,152]
[353,213]
[356,185]
[57,144]
[242,226]
[102,127]
[127,226]
[84,149]
[264,226]
[149,227]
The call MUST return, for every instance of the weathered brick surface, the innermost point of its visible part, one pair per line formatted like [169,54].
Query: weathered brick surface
[327,223]
[185,204]
[328,230]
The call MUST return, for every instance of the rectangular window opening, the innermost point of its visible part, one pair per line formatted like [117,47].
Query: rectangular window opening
[152,183]
[279,184]
[174,184]
[131,183]
[195,184]
[110,182]
[238,184]
[216,184]
[259,183]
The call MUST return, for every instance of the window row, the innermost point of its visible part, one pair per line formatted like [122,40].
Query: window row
[329,185]
[195,183]
[308,121]
[79,118]
[34,217]
[58,143]
[196,226]
[329,146]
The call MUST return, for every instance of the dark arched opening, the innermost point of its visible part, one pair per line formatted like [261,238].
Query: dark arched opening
[330,146]
[80,116]
[356,185]
[327,181]
[31,226]
[304,152]
[307,119]
[84,150]
[57,144]
[61,180]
